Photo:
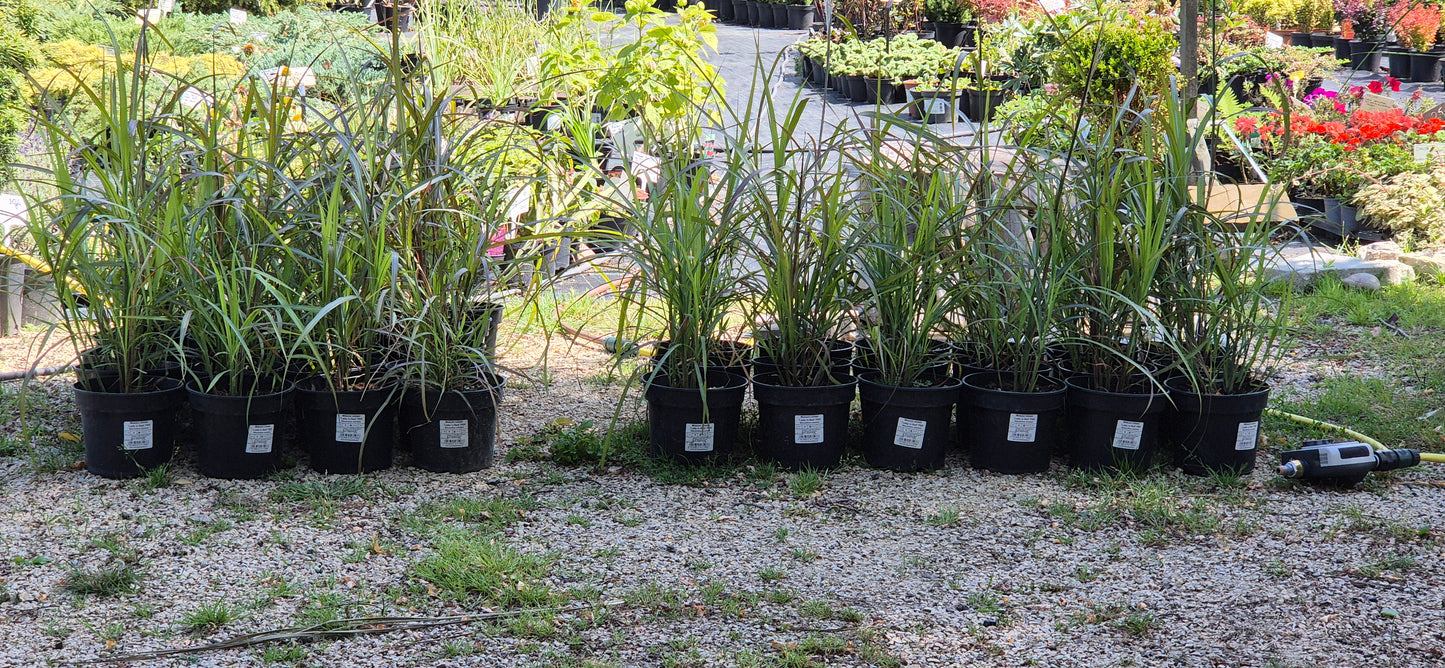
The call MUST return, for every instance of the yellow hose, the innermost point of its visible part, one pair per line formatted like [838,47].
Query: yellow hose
[1424,456]
[37,264]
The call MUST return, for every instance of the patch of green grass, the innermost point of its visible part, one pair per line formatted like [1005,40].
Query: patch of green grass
[780,534]
[657,597]
[578,520]
[1393,562]
[208,617]
[770,574]
[469,565]
[540,626]
[106,581]
[203,531]
[1387,410]
[1085,573]
[1278,568]
[780,597]
[158,476]
[984,601]
[816,609]
[1136,623]
[804,555]
[116,543]
[289,652]
[1083,519]
[946,516]
[323,496]
[459,647]
[493,513]
[806,483]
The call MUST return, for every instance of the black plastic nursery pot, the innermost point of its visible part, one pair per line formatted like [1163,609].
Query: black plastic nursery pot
[936,106]
[454,431]
[780,16]
[857,87]
[765,15]
[1400,63]
[982,103]
[691,425]
[800,17]
[127,433]
[754,16]
[1424,67]
[347,431]
[1299,39]
[803,427]
[1007,431]
[1342,47]
[1365,56]
[1322,40]
[947,33]
[1113,430]
[907,428]
[239,436]
[1214,433]
[880,91]
[95,374]
[724,9]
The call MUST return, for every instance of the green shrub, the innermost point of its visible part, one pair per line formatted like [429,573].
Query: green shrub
[1106,58]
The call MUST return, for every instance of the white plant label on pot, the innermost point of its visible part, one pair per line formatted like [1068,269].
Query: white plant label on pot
[936,106]
[698,437]
[454,433]
[1274,40]
[259,437]
[137,435]
[1247,436]
[1128,434]
[807,429]
[1022,427]
[909,433]
[238,16]
[350,427]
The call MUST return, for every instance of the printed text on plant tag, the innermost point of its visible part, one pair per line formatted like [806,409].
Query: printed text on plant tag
[1247,436]
[1022,427]
[909,433]
[807,429]
[258,438]
[1127,434]
[350,427]
[138,435]
[698,437]
[454,433]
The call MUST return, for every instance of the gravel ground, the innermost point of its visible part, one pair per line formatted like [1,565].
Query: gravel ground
[751,567]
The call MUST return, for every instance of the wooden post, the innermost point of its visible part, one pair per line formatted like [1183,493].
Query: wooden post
[12,297]
[1189,48]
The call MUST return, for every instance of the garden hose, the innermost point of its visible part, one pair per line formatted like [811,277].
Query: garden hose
[1378,446]
[37,264]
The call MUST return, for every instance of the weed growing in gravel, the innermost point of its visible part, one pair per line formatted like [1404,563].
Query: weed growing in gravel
[780,534]
[1394,562]
[770,574]
[452,649]
[541,626]
[36,560]
[946,516]
[199,534]
[656,597]
[762,474]
[1085,573]
[467,565]
[286,653]
[107,581]
[208,617]
[143,611]
[158,477]
[117,544]
[1278,568]
[816,609]
[492,513]
[805,483]
[780,597]
[322,496]
[1136,623]
[578,520]
[110,634]
[804,555]
[985,601]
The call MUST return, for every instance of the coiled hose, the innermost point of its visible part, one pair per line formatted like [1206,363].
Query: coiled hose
[1424,456]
